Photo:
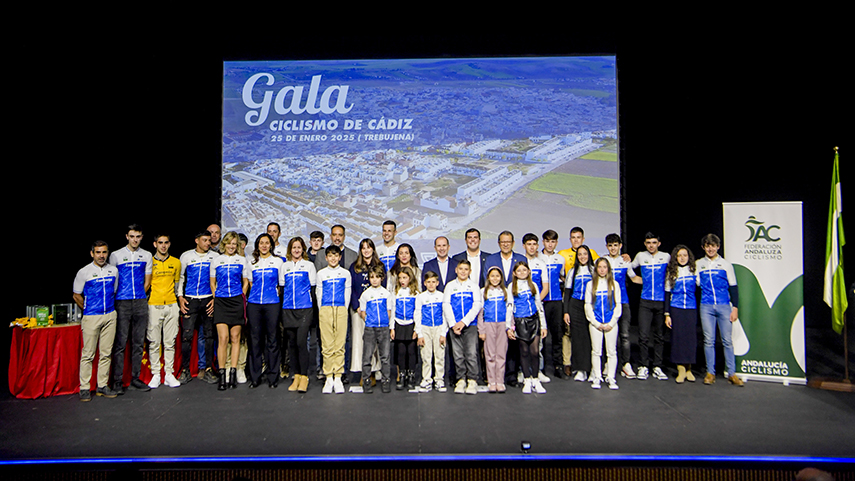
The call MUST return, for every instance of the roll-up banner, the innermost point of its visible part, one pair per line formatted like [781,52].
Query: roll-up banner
[763,241]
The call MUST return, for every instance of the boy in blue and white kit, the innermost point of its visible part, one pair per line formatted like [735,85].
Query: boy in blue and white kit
[652,265]
[553,305]
[460,306]
[540,277]
[431,331]
[621,271]
[135,266]
[94,291]
[375,308]
[333,293]
[719,300]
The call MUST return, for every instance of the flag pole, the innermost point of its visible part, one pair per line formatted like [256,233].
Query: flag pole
[843,385]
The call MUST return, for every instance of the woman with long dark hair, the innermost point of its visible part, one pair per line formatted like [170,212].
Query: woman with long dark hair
[262,312]
[297,277]
[574,312]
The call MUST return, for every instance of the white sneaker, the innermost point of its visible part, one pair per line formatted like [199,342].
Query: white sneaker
[581,376]
[338,386]
[595,384]
[658,374]
[538,386]
[241,375]
[170,380]
[627,371]
[328,386]
[642,373]
[542,377]
[439,384]
[520,377]
[155,381]
[472,387]
[527,386]
[425,385]
[460,387]
[612,384]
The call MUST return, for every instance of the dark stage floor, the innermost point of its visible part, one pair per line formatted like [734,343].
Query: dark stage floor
[645,418]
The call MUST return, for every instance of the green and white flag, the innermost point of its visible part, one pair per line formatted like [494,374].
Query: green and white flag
[834,292]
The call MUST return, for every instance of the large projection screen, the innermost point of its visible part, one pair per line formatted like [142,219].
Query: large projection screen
[437,145]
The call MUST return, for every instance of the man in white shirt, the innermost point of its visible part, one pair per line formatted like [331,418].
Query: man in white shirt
[389,248]
[473,253]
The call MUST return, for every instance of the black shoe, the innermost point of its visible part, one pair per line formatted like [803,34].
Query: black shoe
[411,380]
[273,384]
[254,384]
[138,385]
[367,387]
[85,395]
[386,386]
[232,378]
[106,392]
[399,384]
[345,379]
[185,377]
[118,388]
[558,373]
[209,377]
[221,382]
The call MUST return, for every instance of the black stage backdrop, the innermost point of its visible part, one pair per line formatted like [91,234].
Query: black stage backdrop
[122,125]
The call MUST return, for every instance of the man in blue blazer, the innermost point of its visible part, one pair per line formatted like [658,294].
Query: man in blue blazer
[441,264]
[506,258]
[474,255]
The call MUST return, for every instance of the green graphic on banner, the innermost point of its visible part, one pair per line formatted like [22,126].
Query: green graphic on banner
[768,329]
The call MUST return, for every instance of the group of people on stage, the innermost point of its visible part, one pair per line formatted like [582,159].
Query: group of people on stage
[260,310]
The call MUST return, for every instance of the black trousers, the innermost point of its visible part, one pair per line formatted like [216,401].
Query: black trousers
[263,326]
[197,317]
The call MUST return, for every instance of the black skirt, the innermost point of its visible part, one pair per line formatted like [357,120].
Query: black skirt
[229,311]
[404,332]
[684,335]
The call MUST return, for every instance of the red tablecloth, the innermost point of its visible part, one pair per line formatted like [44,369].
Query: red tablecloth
[45,361]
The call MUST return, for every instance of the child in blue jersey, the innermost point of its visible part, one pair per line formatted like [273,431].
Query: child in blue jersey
[651,264]
[404,332]
[229,286]
[719,300]
[333,294]
[602,309]
[375,308]
[262,313]
[553,305]
[431,331]
[529,326]
[574,312]
[460,306]
[681,313]
[621,271]
[494,320]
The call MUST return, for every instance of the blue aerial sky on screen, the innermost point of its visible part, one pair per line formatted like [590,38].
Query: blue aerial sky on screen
[436,144]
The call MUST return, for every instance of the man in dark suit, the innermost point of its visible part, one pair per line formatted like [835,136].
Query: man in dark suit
[476,257]
[506,258]
[348,255]
[441,264]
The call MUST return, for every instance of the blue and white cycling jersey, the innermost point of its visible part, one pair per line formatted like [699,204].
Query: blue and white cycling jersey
[98,287]
[195,280]
[621,269]
[229,273]
[539,274]
[652,268]
[428,311]
[264,276]
[461,302]
[405,306]
[715,277]
[375,302]
[598,309]
[387,254]
[496,307]
[333,287]
[583,277]
[297,280]
[554,272]
[133,266]
[683,290]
